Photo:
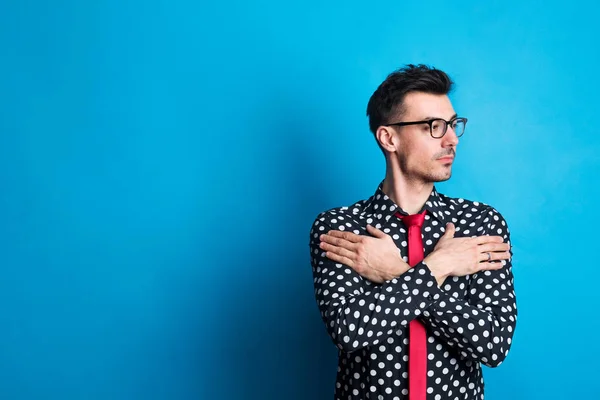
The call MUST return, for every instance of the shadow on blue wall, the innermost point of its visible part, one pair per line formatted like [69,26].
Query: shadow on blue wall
[273,342]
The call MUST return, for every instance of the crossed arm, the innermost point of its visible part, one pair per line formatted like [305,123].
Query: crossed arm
[365,291]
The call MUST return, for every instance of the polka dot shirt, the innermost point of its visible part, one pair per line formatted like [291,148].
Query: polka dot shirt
[470,320]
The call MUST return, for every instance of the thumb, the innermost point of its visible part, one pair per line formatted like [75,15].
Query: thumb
[450,230]
[375,232]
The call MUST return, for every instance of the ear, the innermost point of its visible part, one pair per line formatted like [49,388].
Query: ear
[387,138]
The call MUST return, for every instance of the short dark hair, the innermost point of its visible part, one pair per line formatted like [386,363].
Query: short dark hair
[387,101]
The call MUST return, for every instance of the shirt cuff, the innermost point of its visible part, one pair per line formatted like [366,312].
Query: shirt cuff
[417,284]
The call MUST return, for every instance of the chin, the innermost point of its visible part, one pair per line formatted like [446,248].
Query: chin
[440,177]
[432,175]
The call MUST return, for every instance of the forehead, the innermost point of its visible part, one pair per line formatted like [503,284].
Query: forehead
[425,105]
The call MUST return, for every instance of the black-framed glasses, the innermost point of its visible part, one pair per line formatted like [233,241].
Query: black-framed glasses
[439,126]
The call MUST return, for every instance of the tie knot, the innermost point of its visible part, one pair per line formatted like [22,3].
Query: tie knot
[413,220]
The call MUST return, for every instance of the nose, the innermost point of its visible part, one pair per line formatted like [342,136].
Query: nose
[450,139]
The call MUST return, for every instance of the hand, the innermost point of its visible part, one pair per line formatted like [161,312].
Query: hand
[464,256]
[375,258]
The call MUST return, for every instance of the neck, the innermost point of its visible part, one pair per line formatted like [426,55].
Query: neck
[410,195]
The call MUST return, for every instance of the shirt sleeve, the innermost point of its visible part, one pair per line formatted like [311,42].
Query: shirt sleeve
[481,326]
[358,313]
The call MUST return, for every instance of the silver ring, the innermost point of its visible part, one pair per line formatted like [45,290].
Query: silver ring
[489,256]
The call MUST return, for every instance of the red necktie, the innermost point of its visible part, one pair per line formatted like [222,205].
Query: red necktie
[417,351]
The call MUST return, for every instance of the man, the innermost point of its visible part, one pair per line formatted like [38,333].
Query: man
[415,288]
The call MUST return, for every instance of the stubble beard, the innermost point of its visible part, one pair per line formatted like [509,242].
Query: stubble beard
[432,177]
[425,176]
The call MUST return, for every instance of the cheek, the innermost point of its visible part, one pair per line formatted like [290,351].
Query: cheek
[419,153]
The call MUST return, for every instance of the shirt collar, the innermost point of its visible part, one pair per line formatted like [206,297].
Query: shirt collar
[384,208]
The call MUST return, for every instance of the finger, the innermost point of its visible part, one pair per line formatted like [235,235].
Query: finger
[490,266]
[493,247]
[502,255]
[349,236]
[376,232]
[487,256]
[488,239]
[337,241]
[494,256]
[484,257]
[340,259]
[450,230]
[338,250]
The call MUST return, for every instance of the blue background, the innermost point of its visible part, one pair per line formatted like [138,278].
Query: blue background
[161,163]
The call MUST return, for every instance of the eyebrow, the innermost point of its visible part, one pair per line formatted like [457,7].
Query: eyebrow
[451,118]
